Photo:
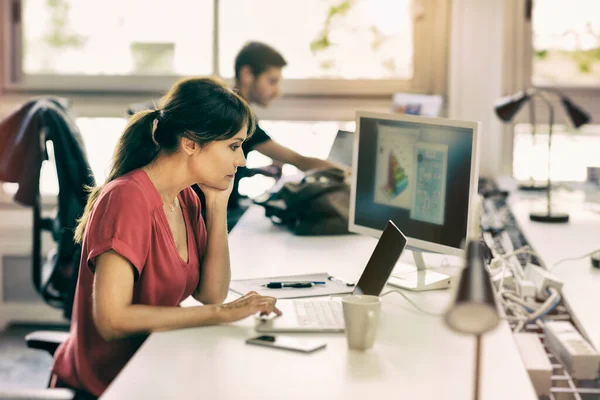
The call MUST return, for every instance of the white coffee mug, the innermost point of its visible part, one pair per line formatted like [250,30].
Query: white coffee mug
[361,316]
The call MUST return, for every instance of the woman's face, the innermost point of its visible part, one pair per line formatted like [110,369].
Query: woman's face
[216,163]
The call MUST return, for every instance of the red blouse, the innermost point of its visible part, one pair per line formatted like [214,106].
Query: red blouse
[129,219]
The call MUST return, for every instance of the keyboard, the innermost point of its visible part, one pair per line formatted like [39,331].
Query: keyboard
[319,313]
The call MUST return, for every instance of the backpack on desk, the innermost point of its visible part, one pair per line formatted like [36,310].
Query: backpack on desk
[317,205]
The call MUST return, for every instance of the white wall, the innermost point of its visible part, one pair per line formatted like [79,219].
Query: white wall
[476,74]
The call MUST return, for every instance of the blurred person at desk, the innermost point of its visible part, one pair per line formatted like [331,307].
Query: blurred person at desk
[258,75]
[145,244]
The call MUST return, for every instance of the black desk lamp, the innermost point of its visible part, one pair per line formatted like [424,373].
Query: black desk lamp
[507,107]
[474,310]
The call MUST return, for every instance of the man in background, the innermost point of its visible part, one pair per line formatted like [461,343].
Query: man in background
[257,79]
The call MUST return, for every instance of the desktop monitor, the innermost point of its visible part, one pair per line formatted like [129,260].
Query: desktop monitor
[422,174]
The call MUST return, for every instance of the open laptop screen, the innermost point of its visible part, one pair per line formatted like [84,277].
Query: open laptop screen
[341,150]
[382,261]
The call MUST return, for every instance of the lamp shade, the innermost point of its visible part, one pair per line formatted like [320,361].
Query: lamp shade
[474,310]
[577,115]
[508,106]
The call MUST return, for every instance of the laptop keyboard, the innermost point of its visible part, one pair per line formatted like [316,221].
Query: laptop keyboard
[319,313]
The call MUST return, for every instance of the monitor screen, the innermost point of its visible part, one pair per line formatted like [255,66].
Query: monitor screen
[419,172]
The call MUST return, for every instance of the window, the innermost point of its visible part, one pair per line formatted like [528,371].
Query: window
[571,153]
[324,39]
[564,53]
[312,139]
[112,37]
[566,43]
[362,47]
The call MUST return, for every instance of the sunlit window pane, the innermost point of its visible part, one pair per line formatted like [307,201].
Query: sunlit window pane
[114,37]
[566,42]
[352,39]
[571,153]
[100,135]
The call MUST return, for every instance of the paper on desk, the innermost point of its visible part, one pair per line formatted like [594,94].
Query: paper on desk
[243,286]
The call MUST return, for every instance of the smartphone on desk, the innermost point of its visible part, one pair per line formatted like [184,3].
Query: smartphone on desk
[287,343]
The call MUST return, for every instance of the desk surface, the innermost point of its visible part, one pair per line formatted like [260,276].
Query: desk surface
[554,242]
[415,355]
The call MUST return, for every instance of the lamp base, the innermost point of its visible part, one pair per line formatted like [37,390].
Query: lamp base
[532,186]
[420,281]
[555,218]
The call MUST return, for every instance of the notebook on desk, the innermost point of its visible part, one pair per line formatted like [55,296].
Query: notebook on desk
[326,315]
[331,286]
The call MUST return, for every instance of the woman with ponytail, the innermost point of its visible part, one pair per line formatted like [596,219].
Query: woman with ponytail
[145,244]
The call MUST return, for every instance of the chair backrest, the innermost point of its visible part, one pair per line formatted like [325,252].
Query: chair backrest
[36,123]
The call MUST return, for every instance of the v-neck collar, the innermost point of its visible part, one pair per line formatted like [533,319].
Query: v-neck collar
[158,203]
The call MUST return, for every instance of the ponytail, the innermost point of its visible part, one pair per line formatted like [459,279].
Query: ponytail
[136,148]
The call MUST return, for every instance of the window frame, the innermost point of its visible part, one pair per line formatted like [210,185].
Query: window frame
[302,99]
[430,25]
[584,95]
[518,75]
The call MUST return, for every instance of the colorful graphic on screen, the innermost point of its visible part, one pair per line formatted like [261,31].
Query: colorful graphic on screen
[397,180]
[395,166]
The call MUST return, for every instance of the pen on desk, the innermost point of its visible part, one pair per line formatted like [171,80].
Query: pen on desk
[331,278]
[295,285]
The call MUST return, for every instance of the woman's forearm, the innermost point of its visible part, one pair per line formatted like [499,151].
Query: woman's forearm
[215,272]
[143,319]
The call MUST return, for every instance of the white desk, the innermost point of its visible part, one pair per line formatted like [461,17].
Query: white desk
[555,242]
[415,355]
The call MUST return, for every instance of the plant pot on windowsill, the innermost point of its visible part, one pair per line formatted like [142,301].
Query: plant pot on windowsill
[153,58]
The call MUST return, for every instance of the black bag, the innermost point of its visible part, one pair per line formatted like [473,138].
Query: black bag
[317,205]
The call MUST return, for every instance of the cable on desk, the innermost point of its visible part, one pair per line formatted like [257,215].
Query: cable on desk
[434,314]
[512,296]
[573,258]
[523,250]
[493,266]
[548,306]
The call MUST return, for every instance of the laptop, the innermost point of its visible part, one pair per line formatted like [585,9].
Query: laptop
[327,315]
[341,149]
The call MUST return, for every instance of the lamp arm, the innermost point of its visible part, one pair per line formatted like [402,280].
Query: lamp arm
[544,97]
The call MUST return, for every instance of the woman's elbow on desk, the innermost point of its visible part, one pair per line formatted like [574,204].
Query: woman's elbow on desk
[107,328]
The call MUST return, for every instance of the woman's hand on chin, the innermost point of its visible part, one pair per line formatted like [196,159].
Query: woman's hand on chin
[216,195]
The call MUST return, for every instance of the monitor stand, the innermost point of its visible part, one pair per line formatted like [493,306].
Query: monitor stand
[420,279]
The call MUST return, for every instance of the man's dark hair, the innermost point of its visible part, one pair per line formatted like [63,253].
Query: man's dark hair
[259,57]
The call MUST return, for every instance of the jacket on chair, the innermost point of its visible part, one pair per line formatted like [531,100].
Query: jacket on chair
[23,148]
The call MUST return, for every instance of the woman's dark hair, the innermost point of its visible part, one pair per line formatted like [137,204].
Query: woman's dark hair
[203,110]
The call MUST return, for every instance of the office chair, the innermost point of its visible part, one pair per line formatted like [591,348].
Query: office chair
[24,135]
[47,341]
[23,147]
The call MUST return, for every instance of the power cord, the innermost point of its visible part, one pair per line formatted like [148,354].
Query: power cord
[573,258]
[533,316]
[495,268]
[434,314]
